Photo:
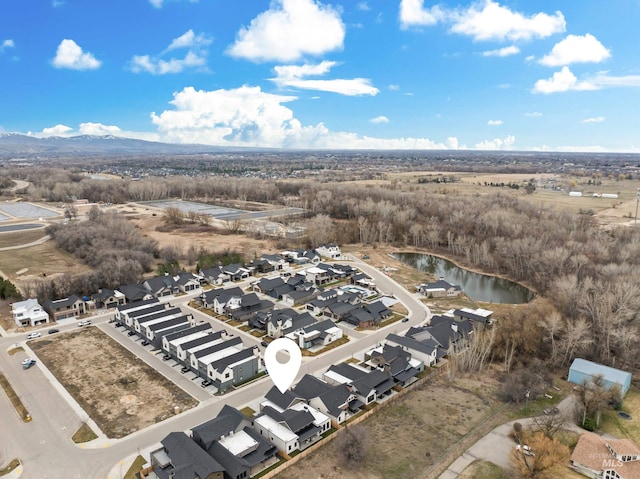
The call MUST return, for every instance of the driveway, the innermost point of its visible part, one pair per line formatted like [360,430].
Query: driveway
[496,446]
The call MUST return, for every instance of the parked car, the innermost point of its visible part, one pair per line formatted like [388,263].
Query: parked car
[205,383]
[185,369]
[144,343]
[405,320]
[53,331]
[131,333]
[166,357]
[33,335]
[27,363]
[84,322]
[264,343]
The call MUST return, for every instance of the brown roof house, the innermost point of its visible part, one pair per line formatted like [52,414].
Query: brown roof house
[598,457]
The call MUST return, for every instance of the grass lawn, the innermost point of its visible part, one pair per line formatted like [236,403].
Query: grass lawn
[624,428]
[20,238]
[483,470]
[42,258]
[135,467]
[84,434]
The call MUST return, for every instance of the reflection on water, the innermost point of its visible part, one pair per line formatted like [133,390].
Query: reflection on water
[478,287]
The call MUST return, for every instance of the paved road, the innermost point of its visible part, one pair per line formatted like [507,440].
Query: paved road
[44,444]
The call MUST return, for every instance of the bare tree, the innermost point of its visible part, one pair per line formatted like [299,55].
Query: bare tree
[352,445]
[539,456]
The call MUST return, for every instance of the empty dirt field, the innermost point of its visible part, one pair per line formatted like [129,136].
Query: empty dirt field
[410,434]
[120,392]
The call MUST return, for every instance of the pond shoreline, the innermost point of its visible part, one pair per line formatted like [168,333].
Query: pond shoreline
[476,285]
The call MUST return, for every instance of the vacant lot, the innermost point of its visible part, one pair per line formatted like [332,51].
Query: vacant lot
[120,392]
[410,434]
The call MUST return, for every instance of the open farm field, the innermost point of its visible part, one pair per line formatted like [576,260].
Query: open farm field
[120,392]
[410,434]
[43,258]
[20,237]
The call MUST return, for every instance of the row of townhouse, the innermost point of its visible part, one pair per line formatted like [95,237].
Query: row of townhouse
[217,357]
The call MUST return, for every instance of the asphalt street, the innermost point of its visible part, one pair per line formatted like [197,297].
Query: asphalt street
[44,445]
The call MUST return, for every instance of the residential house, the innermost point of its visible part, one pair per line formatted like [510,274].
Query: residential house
[329,250]
[290,430]
[317,334]
[188,282]
[134,293]
[300,296]
[156,331]
[363,280]
[160,286]
[241,309]
[275,260]
[108,298]
[284,321]
[234,368]
[601,457]
[368,385]
[145,318]
[126,313]
[59,309]
[439,289]
[231,440]
[339,402]
[236,271]
[479,316]
[218,299]
[395,361]
[301,256]
[184,349]
[261,266]
[268,286]
[215,276]
[426,350]
[200,358]
[171,341]
[181,457]
[28,313]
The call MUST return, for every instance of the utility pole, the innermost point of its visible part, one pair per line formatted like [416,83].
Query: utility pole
[635,221]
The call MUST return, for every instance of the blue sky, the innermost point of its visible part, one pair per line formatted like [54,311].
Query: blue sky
[380,74]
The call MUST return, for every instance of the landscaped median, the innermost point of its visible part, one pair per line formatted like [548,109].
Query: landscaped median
[15,400]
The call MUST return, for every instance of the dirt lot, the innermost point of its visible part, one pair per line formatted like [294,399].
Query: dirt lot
[409,435]
[120,392]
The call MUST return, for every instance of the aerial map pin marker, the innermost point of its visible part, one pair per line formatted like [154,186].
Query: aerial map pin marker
[283,374]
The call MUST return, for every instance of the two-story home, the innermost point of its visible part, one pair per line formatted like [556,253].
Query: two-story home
[28,313]
[66,308]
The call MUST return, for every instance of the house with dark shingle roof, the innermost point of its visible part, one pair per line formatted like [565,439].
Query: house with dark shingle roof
[160,286]
[215,276]
[369,385]
[439,289]
[284,321]
[241,309]
[181,458]
[107,298]
[339,402]
[231,440]
[234,368]
[321,333]
[188,282]
[70,307]
[292,429]
[134,293]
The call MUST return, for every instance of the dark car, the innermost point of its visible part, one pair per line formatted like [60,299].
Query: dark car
[205,383]
[53,331]
[144,343]
[405,320]
[131,333]
[166,357]
[185,369]
[264,343]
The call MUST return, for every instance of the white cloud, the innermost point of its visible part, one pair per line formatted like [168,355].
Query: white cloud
[379,119]
[363,6]
[8,43]
[535,114]
[596,119]
[57,130]
[70,55]
[247,116]
[98,129]
[576,49]
[494,122]
[196,56]
[293,76]
[489,20]
[189,40]
[414,13]
[497,144]
[603,80]
[57,3]
[156,3]
[561,81]
[289,30]
[502,52]
[394,87]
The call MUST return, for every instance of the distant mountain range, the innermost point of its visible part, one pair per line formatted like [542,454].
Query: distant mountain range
[18,145]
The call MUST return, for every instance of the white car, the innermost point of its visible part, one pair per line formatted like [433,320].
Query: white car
[33,335]
[84,322]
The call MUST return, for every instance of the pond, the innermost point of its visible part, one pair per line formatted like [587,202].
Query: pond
[478,287]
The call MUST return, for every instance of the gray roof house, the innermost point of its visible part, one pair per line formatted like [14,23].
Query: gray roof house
[181,458]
